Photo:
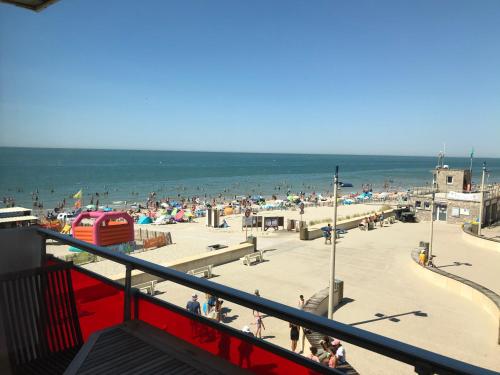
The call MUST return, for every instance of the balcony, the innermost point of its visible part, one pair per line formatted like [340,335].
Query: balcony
[61,318]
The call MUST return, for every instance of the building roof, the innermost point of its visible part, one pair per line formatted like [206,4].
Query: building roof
[36,5]
[9,210]
[17,218]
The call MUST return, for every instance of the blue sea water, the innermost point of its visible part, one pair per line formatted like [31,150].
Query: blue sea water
[130,175]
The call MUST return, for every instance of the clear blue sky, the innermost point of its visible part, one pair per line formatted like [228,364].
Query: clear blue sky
[362,77]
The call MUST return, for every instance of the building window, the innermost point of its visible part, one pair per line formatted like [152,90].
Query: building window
[427,205]
[418,204]
[449,180]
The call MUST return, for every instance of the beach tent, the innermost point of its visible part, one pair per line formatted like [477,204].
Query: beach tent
[163,219]
[144,220]
[180,215]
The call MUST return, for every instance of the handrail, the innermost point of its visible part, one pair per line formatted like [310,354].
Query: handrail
[424,361]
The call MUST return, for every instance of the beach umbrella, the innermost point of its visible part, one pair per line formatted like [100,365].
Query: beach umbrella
[90,207]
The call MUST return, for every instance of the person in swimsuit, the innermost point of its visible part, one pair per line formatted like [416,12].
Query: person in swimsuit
[294,335]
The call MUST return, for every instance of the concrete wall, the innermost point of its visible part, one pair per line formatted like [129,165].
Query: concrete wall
[338,295]
[479,295]
[315,231]
[20,249]
[460,177]
[473,208]
[485,243]
[217,257]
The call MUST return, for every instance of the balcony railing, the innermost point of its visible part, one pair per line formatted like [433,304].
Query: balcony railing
[161,314]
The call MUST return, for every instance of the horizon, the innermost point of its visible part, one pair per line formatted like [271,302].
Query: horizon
[250,152]
[389,78]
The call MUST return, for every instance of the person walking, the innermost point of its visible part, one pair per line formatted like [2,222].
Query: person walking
[301,305]
[301,302]
[259,325]
[255,312]
[193,306]
[294,335]
[327,233]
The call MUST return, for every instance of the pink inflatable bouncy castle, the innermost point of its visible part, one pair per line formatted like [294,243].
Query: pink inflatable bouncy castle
[107,228]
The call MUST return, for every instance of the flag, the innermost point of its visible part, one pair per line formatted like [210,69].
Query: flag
[78,204]
[78,195]
[472,153]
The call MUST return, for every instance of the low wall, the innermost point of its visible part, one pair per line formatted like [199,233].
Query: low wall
[315,231]
[484,297]
[480,241]
[215,258]
[318,303]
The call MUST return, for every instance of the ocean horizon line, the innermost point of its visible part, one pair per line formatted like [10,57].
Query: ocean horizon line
[243,152]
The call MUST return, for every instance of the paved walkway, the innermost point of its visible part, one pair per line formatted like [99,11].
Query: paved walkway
[456,256]
[386,292]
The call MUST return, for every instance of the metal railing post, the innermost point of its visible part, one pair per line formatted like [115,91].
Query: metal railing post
[128,288]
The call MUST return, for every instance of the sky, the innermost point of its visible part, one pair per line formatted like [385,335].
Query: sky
[337,77]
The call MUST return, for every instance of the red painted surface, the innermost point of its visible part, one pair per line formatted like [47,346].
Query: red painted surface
[235,350]
[100,306]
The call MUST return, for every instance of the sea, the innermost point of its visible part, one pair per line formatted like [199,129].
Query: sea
[129,176]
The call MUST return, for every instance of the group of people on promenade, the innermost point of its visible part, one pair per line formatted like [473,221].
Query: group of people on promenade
[369,222]
[212,307]
[330,353]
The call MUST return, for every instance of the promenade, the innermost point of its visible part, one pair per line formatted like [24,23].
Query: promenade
[384,291]
[384,294]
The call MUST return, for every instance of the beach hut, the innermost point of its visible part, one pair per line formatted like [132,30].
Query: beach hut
[104,228]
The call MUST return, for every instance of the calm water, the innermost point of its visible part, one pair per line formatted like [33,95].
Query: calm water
[125,173]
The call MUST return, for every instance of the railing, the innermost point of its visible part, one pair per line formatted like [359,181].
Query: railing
[423,361]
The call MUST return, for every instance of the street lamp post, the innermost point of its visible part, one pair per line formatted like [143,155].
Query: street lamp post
[481,201]
[429,259]
[331,292]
